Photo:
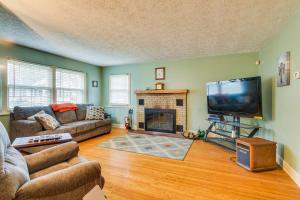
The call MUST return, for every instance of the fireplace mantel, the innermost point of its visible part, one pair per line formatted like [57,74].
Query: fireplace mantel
[161,91]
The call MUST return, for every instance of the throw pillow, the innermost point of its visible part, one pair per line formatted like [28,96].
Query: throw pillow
[94,113]
[32,118]
[47,121]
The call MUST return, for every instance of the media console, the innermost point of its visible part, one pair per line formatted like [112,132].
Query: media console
[225,132]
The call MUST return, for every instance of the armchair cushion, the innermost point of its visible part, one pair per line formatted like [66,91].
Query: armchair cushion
[70,183]
[14,172]
[63,165]
[13,168]
[51,156]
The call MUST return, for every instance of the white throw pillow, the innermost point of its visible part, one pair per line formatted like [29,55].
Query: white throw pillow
[94,113]
[47,121]
[32,118]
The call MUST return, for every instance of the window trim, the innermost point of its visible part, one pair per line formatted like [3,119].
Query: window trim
[129,92]
[4,77]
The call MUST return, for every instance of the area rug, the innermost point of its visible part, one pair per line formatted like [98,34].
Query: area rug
[161,146]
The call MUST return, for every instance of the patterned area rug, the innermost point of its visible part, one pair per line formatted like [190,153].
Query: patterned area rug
[167,147]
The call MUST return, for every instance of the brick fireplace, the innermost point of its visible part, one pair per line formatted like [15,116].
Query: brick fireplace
[167,110]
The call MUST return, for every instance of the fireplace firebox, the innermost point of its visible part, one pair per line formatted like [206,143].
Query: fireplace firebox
[160,120]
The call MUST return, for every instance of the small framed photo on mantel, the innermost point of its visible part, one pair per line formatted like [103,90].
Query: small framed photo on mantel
[160,73]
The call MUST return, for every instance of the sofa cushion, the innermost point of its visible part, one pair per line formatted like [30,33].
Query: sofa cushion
[82,126]
[81,111]
[24,128]
[25,112]
[66,117]
[100,123]
[61,129]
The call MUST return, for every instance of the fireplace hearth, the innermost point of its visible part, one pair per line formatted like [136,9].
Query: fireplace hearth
[160,120]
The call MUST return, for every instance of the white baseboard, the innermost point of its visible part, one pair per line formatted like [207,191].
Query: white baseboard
[295,176]
[122,126]
[118,125]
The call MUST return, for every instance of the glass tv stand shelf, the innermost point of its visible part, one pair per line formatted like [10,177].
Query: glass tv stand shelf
[224,133]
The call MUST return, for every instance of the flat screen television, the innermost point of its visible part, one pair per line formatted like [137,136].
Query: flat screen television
[237,97]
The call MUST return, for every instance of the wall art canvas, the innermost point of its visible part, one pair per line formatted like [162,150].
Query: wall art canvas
[283,70]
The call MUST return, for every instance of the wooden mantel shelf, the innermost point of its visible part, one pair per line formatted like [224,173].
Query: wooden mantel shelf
[161,91]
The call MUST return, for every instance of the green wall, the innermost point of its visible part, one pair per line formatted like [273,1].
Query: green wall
[8,50]
[190,74]
[283,114]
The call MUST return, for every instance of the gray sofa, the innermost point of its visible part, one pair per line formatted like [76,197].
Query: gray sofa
[72,122]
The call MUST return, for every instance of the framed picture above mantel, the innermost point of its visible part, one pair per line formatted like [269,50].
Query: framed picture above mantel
[160,73]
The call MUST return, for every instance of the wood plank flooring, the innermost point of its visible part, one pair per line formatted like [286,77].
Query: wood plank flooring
[207,172]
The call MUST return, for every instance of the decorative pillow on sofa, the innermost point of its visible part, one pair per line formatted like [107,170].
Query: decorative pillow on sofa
[94,112]
[47,121]
[32,118]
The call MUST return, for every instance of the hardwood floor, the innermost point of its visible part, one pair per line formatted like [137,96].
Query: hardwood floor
[207,172]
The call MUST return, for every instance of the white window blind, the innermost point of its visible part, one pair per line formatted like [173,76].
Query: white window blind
[28,84]
[119,89]
[70,86]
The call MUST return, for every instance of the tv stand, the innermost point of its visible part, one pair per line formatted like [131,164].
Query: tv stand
[225,132]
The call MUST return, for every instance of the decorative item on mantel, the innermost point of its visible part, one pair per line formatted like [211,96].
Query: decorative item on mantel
[159,86]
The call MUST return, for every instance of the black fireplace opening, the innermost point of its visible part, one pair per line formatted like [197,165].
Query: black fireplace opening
[160,120]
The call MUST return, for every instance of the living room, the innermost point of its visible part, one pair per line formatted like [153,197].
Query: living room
[127,99]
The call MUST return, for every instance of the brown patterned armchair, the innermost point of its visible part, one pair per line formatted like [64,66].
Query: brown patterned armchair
[55,173]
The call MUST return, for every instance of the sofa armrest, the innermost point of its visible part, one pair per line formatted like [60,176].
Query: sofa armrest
[23,128]
[51,156]
[63,184]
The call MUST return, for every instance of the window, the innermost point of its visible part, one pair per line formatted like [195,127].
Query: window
[70,86]
[28,84]
[34,85]
[119,89]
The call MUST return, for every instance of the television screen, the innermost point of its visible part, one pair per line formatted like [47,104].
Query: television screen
[238,97]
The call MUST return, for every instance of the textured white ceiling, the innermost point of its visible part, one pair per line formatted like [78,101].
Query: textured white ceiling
[112,32]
